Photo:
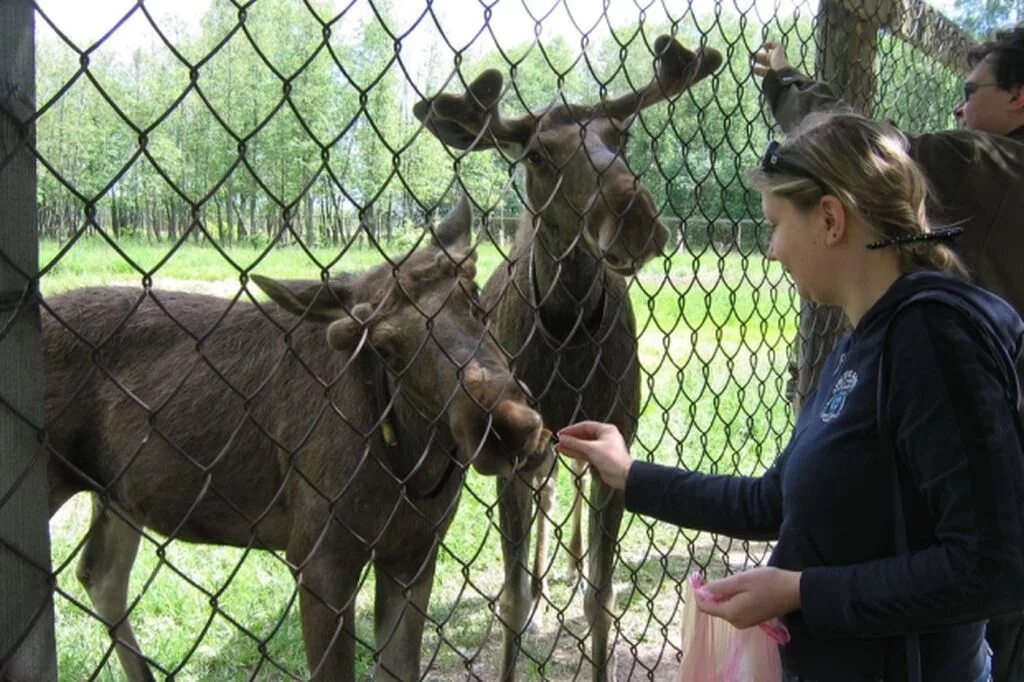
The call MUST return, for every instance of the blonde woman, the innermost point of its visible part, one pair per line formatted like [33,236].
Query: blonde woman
[897,508]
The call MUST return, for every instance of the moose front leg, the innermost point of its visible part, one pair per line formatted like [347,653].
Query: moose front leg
[327,601]
[606,509]
[403,594]
[515,511]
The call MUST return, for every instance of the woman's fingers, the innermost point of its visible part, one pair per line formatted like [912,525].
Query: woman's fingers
[732,610]
[572,454]
[586,430]
[760,62]
[599,444]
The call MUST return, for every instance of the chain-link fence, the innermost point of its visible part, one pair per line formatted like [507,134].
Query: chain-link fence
[344,480]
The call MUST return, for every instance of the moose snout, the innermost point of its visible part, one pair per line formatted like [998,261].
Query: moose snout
[499,440]
[522,434]
[627,228]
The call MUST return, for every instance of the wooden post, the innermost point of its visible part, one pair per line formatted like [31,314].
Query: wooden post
[27,650]
[846,53]
[919,25]
[846,59]
[847,36]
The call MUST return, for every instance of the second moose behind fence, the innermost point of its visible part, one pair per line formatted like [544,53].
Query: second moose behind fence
[561,306]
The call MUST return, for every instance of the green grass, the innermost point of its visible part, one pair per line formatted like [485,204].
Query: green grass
[713,339]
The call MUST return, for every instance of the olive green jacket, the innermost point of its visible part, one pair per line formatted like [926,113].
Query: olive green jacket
[977,181]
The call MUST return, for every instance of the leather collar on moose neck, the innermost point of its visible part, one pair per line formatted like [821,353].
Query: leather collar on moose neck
[387,426]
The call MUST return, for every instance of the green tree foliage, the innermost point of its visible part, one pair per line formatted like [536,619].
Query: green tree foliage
[914,91]
[981,17]
[292,120]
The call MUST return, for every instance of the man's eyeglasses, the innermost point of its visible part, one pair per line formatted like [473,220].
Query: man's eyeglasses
[775,162]
[971,88]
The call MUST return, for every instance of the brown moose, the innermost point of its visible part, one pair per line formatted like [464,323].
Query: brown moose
[561,308]
[227,422]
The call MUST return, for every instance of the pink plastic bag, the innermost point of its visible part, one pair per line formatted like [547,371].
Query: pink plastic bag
[715,651]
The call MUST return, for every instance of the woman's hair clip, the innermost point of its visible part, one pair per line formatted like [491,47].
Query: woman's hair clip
[946,234]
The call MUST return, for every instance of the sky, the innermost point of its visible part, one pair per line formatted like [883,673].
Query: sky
[513,21]
[85,21]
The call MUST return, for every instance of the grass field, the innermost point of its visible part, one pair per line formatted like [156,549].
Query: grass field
[713,340]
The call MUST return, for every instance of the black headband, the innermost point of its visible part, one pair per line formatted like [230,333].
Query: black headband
[775,161]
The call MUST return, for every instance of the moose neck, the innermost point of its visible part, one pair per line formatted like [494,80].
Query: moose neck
[406,437]
[568,284]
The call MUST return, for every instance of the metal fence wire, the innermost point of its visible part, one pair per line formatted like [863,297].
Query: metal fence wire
[344,446]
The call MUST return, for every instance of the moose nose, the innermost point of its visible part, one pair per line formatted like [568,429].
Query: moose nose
[493,418]
[519,427]
[630,233]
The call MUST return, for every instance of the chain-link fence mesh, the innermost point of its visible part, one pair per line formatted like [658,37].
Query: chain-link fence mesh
[189,154]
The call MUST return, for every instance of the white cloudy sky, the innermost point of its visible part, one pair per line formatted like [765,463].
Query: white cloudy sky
[512,21]
[85,22]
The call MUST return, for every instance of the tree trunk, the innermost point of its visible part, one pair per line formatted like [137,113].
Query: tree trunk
[172,227]
[236,204]
[115,221]
[308,219]
[222,214]
[154,219]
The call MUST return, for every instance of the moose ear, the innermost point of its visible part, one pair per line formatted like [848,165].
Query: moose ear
[314,300]
[343,334]
[454,231]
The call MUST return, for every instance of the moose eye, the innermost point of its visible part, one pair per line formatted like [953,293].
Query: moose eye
[624,140]
[473,291]
[534,157]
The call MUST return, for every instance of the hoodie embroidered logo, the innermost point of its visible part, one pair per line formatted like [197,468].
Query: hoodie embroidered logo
[837,400]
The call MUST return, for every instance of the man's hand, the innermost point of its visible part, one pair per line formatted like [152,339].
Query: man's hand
[770,57]
[753,596]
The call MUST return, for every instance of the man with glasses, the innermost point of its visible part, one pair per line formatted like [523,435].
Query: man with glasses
[976,177]
[976,173]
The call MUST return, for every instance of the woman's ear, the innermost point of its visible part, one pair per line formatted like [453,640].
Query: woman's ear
[834,215]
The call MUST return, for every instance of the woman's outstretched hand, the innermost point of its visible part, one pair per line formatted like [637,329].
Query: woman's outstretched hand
[602,446]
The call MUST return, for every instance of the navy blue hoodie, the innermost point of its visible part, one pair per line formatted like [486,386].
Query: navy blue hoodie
[950,405]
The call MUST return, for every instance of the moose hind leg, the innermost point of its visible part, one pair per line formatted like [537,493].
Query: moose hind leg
[104,570]
[400,611]
[515,507]
[599,600]
[576,539]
